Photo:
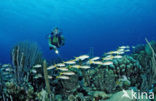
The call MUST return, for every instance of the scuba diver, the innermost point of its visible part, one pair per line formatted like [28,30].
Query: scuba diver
[56,40]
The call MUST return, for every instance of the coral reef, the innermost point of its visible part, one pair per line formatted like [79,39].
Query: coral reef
[124,73]
[29,77]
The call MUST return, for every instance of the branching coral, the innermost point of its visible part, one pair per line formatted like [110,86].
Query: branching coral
[24,56]
[145,54]
[16,77]
[46,79]
[152,58]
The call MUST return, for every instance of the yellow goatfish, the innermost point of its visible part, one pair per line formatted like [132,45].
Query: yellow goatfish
[97,62]
[83,57]
[82,67]
[67,73]
[33,71]
[37,66]
[62,77]
[112,52]
[95,58]
[50,77]
[8,69]
[123,47]
[109,57]
[127,50]
[60,65]
[120,53]
[70,62]
[76,66]
[89,62]
[5,65]
[120,50]
[117,56]
[51,67]
[107,63]
[62,69]
[85,67]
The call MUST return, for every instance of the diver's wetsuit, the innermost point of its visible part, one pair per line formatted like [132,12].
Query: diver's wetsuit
[56,40]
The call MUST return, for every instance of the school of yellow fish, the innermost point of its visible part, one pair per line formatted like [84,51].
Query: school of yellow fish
[65,73]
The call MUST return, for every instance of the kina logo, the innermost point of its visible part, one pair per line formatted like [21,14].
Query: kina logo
[125,94]
[137,95]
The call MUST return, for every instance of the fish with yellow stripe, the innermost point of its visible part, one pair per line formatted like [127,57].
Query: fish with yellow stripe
[82,57]
[56,65]
[67,73]
[80,66]
[71,62]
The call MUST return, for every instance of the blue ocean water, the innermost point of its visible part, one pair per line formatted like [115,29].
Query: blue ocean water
[101,24]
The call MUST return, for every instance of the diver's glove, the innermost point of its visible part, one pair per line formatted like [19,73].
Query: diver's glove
[55,48]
